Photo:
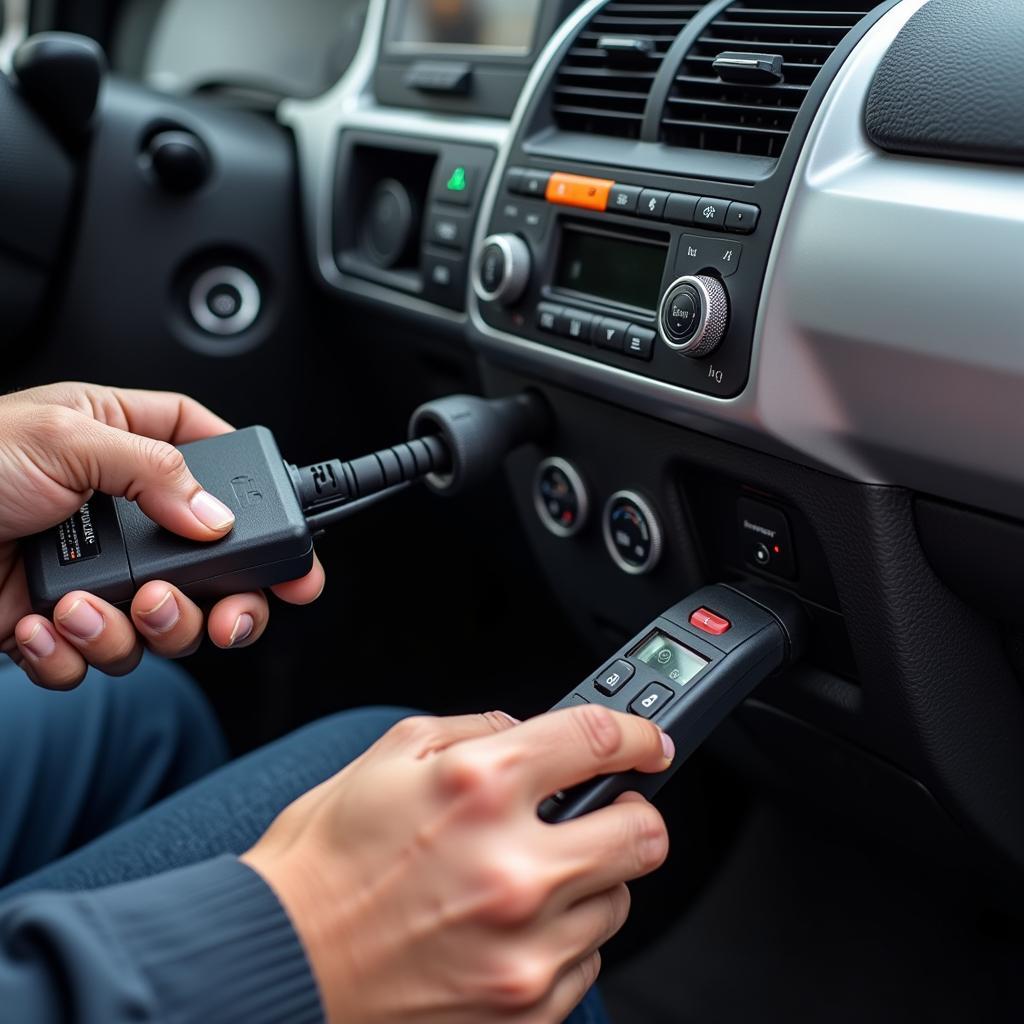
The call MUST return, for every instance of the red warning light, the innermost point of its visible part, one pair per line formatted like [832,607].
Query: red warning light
[777,549]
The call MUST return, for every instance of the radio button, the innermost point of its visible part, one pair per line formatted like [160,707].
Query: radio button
[534,183]
[652,203]
[579,191]
[624,199]
[699,252]
[711,212]
[741,217]
[575,324]
[547,317]
[712,304]
[514,181]
[609,334]
[682,313]
[681,208]
[639,342]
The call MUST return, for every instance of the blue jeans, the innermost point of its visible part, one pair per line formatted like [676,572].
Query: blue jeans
[124,778]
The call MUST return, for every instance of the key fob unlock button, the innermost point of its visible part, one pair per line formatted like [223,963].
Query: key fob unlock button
[614,678]
[651,701]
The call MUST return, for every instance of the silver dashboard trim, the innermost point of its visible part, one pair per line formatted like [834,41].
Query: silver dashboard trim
[350,105]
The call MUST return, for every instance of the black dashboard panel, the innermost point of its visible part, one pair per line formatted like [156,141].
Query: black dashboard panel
[950,85]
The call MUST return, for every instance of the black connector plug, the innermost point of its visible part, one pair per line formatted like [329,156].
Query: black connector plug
[478,434]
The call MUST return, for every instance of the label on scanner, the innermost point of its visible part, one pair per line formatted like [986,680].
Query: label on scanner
[77,539]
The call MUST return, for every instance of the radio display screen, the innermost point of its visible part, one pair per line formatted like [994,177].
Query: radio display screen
[506,26]
[609,267]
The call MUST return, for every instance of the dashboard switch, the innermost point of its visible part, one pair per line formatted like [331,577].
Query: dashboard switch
[530,183]
[623,198]
[449,228]
[609,334]
[547,317]
[575,324]
[709,622]
[503,269]
[632,533]
[711,212]
[706,295]
[681,208]
[560,497]
[741,217]
[765,538]
[579,191]
[639,342]
[652,204]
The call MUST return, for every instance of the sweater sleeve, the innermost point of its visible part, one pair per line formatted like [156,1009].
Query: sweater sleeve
[204,943]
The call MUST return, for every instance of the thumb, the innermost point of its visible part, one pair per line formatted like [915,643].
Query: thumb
[155,475]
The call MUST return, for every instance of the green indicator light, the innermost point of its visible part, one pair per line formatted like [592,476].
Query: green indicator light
[457,182]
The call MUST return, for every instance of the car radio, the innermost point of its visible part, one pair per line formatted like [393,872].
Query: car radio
[659,282]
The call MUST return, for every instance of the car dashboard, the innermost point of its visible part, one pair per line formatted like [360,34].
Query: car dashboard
[760,258]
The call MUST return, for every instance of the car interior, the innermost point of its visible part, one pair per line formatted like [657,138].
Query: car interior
[760,262]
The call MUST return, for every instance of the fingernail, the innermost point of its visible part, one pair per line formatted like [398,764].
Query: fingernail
[211,512]
[244,626]
[508,717]
[82,620]
[41,643]
[163,616]
[668,748]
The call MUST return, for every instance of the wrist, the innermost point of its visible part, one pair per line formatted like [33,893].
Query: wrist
[311,910]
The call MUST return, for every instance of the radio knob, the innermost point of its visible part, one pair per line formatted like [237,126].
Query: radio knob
[694,315]
[503,269]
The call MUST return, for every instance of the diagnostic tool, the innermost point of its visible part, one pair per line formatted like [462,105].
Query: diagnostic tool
[110,548]
[686,671]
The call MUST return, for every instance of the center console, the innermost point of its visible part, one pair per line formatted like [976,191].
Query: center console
[626,269]
[630,226]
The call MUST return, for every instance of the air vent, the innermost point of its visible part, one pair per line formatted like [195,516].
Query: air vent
[605,79]
[705,112]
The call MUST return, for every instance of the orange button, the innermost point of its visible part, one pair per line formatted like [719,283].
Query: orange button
[575,190]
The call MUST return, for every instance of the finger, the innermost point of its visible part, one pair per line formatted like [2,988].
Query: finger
[94,456]
[238,621]
[167,620]
[606,847]
[305,590]
[589,924]
[47,658]
[563,748]
[423,735]
[104,636]
[168,416]
[575,982]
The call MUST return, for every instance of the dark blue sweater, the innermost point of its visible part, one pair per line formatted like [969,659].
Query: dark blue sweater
[208,943]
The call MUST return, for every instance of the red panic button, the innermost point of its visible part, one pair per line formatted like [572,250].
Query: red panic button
[709,622]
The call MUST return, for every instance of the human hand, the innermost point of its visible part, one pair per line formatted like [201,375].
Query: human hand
[425,887]
[60,443]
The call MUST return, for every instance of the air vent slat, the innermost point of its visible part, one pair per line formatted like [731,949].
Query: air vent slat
[705,112]
[605,94]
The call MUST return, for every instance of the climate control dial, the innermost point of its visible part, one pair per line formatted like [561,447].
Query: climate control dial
[694,315]
[502,269]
